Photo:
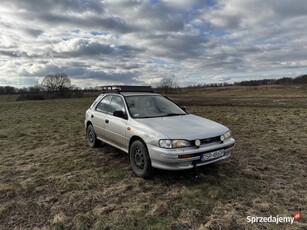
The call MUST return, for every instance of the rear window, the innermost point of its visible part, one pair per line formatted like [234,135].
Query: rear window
[95,102]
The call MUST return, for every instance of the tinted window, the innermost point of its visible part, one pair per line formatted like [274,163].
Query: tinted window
[104,104]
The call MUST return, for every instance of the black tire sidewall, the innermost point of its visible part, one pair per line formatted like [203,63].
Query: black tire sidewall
[147,171]
[94,143]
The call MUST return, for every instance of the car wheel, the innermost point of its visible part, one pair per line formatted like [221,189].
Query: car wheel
[91,137]
[140,160]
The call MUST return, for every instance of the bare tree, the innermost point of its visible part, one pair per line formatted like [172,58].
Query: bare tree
[34,89]
[167,83]
[58,82]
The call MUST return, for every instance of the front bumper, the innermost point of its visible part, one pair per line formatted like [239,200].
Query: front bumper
[187,158]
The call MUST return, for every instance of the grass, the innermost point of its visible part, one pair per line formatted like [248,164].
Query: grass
[50,178]
[8,98]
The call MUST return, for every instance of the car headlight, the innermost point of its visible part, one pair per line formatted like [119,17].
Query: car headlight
[169,144]
[227,135]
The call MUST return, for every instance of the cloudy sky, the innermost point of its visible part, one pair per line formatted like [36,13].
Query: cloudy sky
[97,42]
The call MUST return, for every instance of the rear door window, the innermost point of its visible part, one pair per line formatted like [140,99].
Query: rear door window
[104,104]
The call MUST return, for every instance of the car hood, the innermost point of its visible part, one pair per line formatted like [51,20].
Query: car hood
[189,127]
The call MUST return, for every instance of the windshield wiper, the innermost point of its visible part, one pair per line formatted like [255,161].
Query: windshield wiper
[166,115]
[147,117]
[174,114]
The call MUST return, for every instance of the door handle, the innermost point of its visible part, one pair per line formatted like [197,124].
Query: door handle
[107,121]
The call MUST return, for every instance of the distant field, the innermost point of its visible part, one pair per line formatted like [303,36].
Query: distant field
[253,96]
[8,98]
[51,179]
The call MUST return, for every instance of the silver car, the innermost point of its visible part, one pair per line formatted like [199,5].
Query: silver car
[154,131]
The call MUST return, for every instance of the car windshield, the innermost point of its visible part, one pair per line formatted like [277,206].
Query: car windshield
[147,106]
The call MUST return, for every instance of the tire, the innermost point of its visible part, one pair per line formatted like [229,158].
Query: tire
[140,160]
[92,140]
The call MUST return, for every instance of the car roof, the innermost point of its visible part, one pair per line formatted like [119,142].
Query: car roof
[137,93]
[127,94]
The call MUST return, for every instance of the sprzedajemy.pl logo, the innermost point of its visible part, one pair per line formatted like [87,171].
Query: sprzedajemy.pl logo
[273,219]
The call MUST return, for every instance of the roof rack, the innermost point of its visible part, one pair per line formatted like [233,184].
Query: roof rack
[125,88]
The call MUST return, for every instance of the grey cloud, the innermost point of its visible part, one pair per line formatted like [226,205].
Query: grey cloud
[33,32]
[129,66]
[56,5]
[178,46]
[146,16]
[9,53]
[125,77]
[289,8]
[171,23]
[20,82]
[90,49]
[79,70]
[161,17]
[17,54]
[76,72]
[96,22]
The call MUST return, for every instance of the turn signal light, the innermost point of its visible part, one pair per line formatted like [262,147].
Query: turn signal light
[185,156]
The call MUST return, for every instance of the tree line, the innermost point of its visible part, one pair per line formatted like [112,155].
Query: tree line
[59,86]
[281,81]
[53,86]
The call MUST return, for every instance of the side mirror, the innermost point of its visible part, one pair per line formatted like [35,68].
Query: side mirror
[120,113]
[184,108]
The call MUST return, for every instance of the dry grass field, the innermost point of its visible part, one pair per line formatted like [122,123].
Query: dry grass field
[51,179]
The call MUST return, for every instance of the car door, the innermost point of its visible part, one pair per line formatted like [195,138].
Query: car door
[115,127]
[99,114]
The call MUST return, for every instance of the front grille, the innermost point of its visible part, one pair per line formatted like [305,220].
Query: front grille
[210,140]
[207,140]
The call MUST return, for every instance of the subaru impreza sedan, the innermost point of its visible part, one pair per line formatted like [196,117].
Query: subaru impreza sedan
[154,131]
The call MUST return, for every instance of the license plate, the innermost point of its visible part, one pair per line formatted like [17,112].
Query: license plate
[212,155]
